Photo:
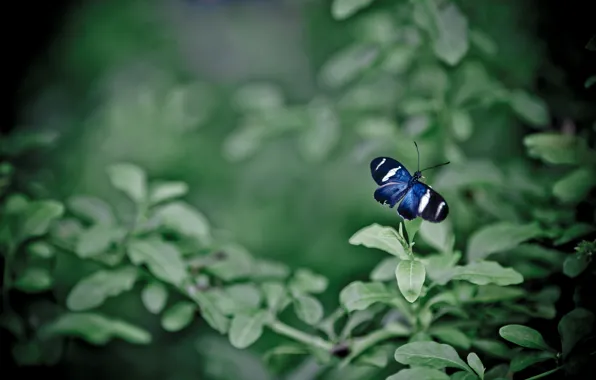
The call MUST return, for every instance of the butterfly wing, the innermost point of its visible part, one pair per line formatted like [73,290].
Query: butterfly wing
[421,200]
[391,193]
[385,169]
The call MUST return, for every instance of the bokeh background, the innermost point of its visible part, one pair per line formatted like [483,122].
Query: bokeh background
[271,111]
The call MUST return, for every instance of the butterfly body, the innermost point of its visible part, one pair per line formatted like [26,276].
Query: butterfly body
[397,184]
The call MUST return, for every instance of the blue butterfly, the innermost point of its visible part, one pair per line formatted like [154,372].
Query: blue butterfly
[397,184]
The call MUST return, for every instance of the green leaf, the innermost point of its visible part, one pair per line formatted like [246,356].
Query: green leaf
[379,237]
[276,295]
[178,316]
[164,191]
[574,232]
[246,329]
[163,259]
[185,220]
[322,132]
[462,375]
[279,356]
[306,281]
[346,65]
[525,359]
[486,272]
[342,9]
[410,276]
[575,186]
[40,249]
[385,270]
[438,235]
[524,336]
[97,239]
[95,328]
[461,124]
[91,209]
[556,148]
[265,269]
[210,312]
[495,293]
[430,354]
[154,297]
[498,237]
[530,108]
[130,179]
[476,364]
[238,263]
[451,336]
[255,97]
[452,43]
[469,174]
[37,218]
[492,348]
[418,373]
[308,309]
[590,81]
[412,227]
[574,326]
[575,264]
[34,280]
[92,291]
[360,295]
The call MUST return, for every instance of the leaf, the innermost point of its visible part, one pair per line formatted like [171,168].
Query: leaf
[91,209]
[575,264]
[211,313]
[495,293]
[306,281]
[531,109]
[130,179]
[492,348]
[462,375]
[154,297]
[385,270]
[418,373]
[164,191]
[96,240]
[379,237]
[590,81]
[555,148]
[498,237]
[178,316]
[37,217]
[258,97]
[308,309]
[347,64]
[237,263]
[360,295]
[486,272]
[574,232]
[410,276]
[95,328]
[575,186]
[342,9]
[275,294]
[574,326]
[322,133]
[451,336]
[34,280]
[246,329]
[461,124]
[184,219]
[451,44]
[163,259]
[92,291]
[430,354]
[476,364]
[438,235]
[524,336]
[41,249]
[265,269]
[469,174]
[524,359]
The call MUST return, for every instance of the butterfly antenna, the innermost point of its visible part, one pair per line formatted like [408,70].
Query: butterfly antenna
[418,152]
[436,166]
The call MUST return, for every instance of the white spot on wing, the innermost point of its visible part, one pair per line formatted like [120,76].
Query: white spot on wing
[381,163]
[439,209]
[424,201]
[390,173]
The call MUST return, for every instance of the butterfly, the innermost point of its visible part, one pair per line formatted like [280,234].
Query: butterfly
[397,184]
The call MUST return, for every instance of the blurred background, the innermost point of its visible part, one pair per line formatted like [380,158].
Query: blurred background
[271,111]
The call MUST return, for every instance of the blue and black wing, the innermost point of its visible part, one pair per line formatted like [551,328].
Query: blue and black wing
[385,169]
[421,200]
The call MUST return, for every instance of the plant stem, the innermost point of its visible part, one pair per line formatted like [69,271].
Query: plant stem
[290,332]
[364,343]
[544,374]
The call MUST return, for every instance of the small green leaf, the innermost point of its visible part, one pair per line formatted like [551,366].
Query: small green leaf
[92,291]
[525,359]
[95,328]
[451,336]
[379,237]
[237,263]
[410,276]
[277,357]
[306,281]
[276,295]
[495,293]
[412,227]
[524,336]
[308,309]
[154,297]
[342,9]
[574,232]
[574,326]
[163,259]
[385,270]
[452,43]
[491,239]
[476,364]
[210,312]
[130,179]
[575,186]
[178,316]
[91,209]
[347,65]
[492,348]
[418,373]
[430,354]
[246,329]
[265,269]
[40,249]
[360,295]
[164,191]
[575,264]
[322,132]
[531,109]
[182,218]
[34,280]
[37,218]
[461,125]
[486,272]
[590,81]
[438,235]
[462,375]
[556,148]
[97,239]
[258,97]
